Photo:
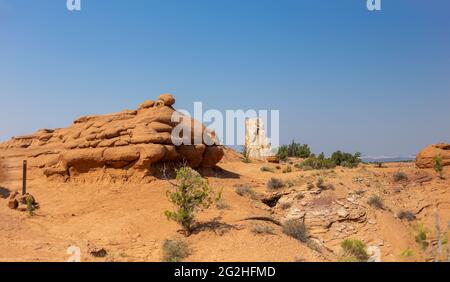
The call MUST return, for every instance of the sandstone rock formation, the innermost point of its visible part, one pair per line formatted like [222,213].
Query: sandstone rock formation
[127,144]
[425,158]
[257,145]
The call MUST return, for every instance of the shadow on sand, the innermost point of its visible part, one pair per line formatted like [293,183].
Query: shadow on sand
[4,192]
[214,225]
[167,171]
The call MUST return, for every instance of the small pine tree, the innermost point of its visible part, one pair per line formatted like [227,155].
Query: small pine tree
[191,192]
[438,166]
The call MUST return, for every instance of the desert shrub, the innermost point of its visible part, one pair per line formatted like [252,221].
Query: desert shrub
[285,206]
[261,229]
[31,205]
[408,215]
[438,166]
[290,183]
[274,184]
[355,249]
[266,169]
[282,153]
[421,237]
[407,253]
[376,202]
[378,164]
[299,196]
[222,205]
[316,163]
[220,202]
[322,185]
[296,229]
[244,190]
[310,186]
[344,159]
[399,176]
[191,192]
[245,156]
[287,169]
[174,250]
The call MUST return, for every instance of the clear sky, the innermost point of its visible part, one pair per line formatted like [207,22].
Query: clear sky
[342,77]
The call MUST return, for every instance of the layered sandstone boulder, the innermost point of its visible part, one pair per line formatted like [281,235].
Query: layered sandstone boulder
[425,158]
[131,142]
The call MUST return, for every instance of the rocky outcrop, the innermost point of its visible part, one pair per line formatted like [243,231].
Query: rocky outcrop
[425,158]
[131,141]
[23,203]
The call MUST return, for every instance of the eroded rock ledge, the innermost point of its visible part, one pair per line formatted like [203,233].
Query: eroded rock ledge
[126,144]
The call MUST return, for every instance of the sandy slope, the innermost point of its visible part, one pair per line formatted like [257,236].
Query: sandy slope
[127,219]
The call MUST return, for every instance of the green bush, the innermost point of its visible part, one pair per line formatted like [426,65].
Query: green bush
[174,250]
[421,237]
[438,166]
[294,150]
[220,202]
[407,253]
[31,205]
[346,159]
[355,249]
[282,154]
[316,163]
[191,192]
[298,150]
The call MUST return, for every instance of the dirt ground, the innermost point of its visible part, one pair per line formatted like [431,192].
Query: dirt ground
[128,222]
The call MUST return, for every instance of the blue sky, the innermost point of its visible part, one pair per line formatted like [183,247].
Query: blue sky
[341,76]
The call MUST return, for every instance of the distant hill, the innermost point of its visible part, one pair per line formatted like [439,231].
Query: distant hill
[388,159]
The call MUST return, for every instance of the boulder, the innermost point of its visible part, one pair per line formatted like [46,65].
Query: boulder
[13,204]
[149,154]
[425,158]
[192,154]
[147,104]
[168,99]
[211,156]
